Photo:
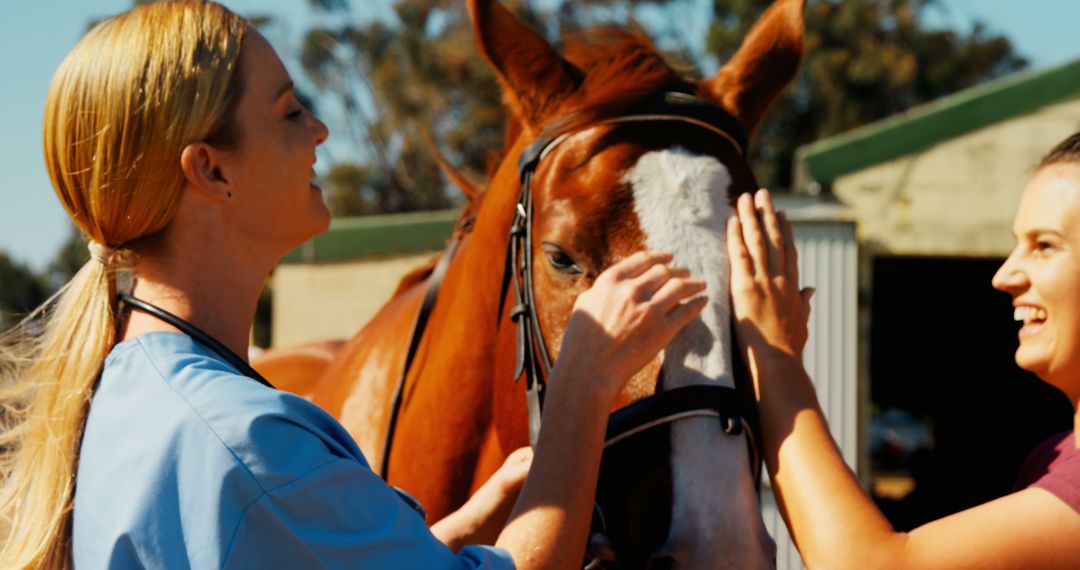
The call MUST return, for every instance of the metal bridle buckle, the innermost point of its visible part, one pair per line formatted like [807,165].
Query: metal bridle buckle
[599,547]
[733,425]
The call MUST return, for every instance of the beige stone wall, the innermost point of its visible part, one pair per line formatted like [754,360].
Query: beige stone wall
[957,198]
[326,301]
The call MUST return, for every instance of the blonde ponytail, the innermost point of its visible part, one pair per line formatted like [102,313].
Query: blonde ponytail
[44,411]
[121,108]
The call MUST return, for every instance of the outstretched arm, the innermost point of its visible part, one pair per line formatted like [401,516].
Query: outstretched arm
[832,520]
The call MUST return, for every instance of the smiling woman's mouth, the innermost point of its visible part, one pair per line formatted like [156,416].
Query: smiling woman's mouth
[1029,315]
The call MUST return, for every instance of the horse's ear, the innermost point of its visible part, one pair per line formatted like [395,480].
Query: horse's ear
[470,189]
[767,60]
[535,79]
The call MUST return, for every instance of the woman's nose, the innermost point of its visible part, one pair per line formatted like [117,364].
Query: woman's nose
[320,130]
[1009,277]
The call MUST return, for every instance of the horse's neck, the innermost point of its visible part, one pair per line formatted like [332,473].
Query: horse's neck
[446,440]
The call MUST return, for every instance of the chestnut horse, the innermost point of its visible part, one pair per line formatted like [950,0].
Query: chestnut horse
[602,192]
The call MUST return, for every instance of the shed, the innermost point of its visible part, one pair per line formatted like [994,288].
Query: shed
[933,192]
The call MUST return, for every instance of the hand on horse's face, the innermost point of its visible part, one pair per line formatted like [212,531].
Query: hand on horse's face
[771,312]
[621,323]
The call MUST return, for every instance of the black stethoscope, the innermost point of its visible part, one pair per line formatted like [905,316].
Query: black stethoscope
[231,357]
[196,333]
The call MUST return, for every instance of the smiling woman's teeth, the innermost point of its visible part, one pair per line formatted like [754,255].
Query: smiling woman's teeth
[1027,314]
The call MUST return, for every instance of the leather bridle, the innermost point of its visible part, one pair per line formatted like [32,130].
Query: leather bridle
[533,360]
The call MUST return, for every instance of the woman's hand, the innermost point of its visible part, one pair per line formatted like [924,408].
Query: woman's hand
[770,311]
[481,519]
[632,311]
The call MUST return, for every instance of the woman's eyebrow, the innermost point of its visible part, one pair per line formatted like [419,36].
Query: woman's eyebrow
[1038,232]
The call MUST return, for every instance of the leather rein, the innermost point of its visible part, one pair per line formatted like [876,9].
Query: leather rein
[533,360]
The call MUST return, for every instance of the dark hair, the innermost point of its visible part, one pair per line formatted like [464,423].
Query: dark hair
[1067,150]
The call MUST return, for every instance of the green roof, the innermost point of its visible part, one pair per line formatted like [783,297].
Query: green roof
[947,118]
[377,236]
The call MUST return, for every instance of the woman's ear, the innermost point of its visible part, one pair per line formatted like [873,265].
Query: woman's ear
[201,164]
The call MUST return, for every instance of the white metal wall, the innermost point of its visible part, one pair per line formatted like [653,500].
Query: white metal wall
[828,261]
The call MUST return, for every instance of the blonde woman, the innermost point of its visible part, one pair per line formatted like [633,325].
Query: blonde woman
[136,436]
[833,522]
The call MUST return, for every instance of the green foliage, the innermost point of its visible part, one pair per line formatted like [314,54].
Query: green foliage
[21,291]
[389,81]
[71,257]
[262,327]
[864,60]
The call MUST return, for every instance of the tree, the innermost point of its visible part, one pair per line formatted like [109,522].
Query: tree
[391,81]
[864,60]
[70,258]
[20,291]
[388,80]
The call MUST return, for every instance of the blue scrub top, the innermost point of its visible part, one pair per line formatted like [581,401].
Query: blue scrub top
[185,463]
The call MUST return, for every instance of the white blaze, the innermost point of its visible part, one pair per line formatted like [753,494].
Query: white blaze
[681,200]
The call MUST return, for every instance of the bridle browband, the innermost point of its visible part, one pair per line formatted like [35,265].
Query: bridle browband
[532,358]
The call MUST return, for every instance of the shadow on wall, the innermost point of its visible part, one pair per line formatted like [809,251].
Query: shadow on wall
[955,417]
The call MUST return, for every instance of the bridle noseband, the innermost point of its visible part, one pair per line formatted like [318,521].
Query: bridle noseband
[532,358]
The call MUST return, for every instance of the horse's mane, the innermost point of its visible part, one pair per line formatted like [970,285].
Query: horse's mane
[621,68]
[415,276]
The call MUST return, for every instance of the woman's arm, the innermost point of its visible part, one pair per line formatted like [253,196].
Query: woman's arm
[632,311]
[833,522]
[483,516]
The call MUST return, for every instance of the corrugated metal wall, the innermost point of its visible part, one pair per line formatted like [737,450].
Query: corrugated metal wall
[828,261]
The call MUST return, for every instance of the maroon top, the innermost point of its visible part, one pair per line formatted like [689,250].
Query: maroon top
[1054,466]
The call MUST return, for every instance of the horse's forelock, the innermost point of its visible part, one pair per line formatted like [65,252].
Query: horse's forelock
[622,68]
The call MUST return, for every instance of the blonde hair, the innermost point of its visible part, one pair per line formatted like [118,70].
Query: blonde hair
[133,93]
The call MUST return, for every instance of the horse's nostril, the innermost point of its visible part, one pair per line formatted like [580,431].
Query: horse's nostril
[661,563]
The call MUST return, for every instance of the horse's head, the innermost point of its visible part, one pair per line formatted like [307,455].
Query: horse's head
[681,494]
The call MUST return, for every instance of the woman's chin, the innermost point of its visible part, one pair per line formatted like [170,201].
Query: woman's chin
[1031,362]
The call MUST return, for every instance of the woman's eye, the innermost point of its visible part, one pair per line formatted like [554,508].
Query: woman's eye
[294,114]
[1043,245]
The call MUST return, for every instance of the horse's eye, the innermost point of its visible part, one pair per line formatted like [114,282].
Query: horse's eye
[559,260]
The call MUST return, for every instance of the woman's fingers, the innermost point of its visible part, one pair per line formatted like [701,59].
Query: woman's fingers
[774,234]
[805,295]
[513,471]
[738,256]
[683,313]
[655,278]
[675,291]
[791,257]
[751,234]
[636,264]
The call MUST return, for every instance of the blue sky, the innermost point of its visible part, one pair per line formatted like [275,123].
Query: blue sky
[35,35]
